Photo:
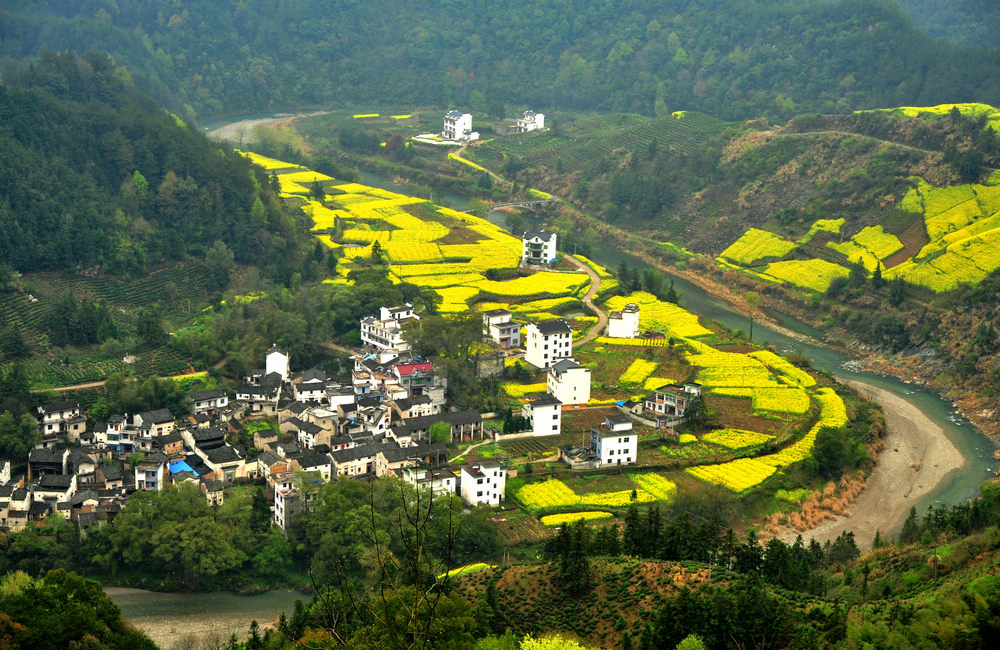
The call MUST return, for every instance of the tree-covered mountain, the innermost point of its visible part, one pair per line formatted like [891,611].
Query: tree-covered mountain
[967,22]
[94,175]
[731,60]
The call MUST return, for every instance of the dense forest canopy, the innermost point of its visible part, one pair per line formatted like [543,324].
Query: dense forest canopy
[731,60]
[967,22]
[93,174]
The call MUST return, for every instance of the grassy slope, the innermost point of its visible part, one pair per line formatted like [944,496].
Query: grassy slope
[903,584]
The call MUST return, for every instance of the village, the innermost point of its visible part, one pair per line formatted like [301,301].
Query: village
[392,419]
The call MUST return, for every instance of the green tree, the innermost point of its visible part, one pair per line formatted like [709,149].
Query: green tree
[439,432]
[219,262]
[149,327]
[17,435]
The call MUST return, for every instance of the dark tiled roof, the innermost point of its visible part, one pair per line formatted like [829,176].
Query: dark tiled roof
[60,406]
[55,481]
[214,393]
[361,451]
[545,400]
[558,326]
[541,234]
[223,454]
[159,416]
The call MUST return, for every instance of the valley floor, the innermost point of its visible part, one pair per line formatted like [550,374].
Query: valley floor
[916,458]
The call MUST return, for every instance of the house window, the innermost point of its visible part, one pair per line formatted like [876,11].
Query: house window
[479,494]
[555,416]
[479,481]
[555,426]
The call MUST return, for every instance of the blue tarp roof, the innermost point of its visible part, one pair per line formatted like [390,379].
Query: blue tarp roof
[181,466]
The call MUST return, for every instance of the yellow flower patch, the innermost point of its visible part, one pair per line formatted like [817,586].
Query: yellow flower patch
[738,475]
[661,488]
[814,274]
[736,438]
[573,517]
[638,371]
[520,390]
[755,245]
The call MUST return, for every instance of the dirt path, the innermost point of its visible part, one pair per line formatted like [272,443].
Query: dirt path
[896,484]
[595,286]
[243,131]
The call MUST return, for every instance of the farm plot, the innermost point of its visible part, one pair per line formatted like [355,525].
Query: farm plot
[554,494]
[662,316]
[756,245]
[814,274]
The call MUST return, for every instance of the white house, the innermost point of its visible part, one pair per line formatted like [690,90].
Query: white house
[310,386]
[671,400]
[439,481]
[544,415]
[458,127]
[151,472]
[386,331]
[538,247]
[276,361]
[499,327]
[547,342]
[624,324]
[531,121]
[569,382]
[60,420]
[614,443]
[208,401]
[483,483]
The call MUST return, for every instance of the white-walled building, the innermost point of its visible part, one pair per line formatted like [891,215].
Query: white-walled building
[671,400]
[530,121]
[60,421]
[499,326]
[544,415]
[614,443]
[276,361]
[624,324]
[538,247]
[386,331]
[483,483]
[208,401]
[569,382]
[458,127]
[547,342]
[440,482]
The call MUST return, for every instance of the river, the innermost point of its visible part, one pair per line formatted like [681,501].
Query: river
[174,620]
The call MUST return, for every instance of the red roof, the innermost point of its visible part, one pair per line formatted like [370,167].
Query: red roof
[410,368]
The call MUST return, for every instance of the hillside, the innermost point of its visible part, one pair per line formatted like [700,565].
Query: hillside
[734,61]
[942,593]
[969,22]
[118,220]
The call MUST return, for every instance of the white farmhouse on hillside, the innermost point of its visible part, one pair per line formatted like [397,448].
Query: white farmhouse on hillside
[386,331]
[483,483]
[458,127]
[624,324]
[569,382]
[499,326]
[531,121]
[547,342]
[538,247]
[544,415]
[614,443]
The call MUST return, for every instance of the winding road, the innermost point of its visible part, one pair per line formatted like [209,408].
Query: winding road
[595,286]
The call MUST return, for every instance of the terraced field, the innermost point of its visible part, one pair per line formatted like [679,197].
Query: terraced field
[607,136]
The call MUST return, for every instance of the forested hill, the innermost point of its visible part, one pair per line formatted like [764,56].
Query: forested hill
[731,60]
[94,175]
[968,22]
